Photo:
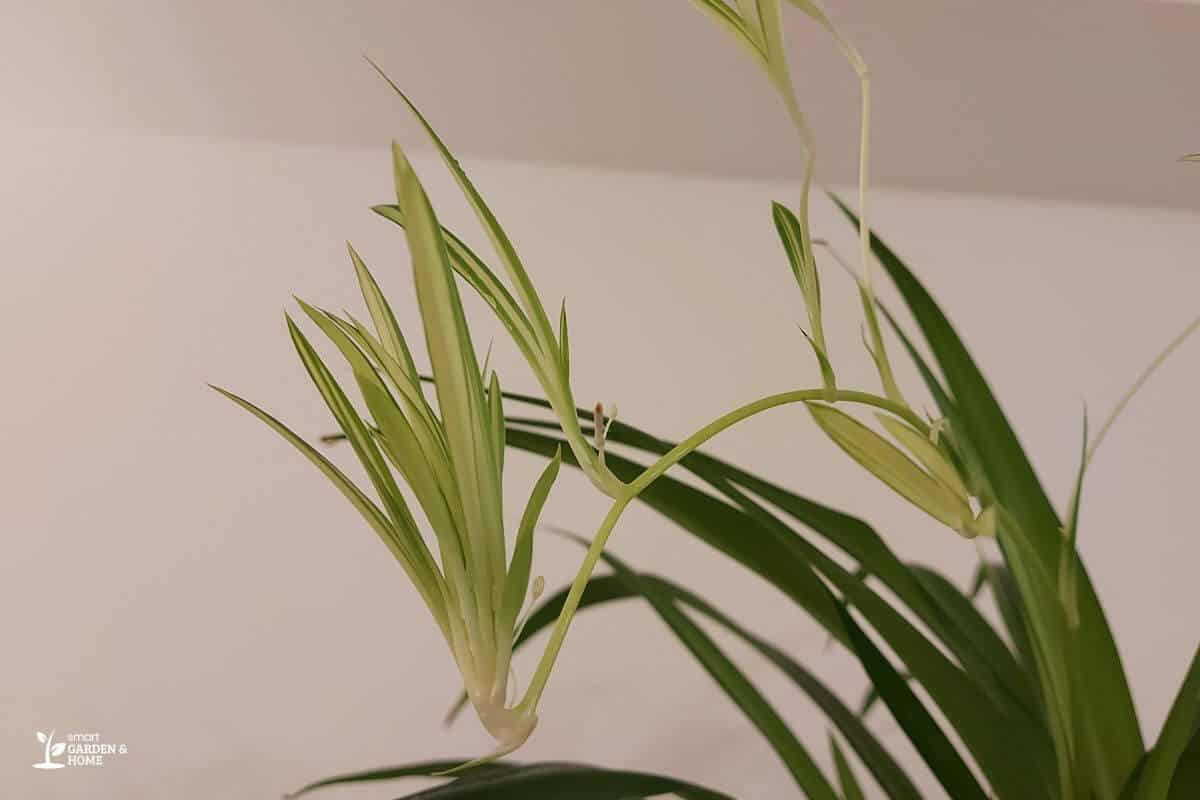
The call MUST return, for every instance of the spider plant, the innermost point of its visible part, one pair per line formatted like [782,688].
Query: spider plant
[1037,708]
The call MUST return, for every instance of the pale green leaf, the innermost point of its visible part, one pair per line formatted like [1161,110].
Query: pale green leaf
[370,512]
[926,453]
[485,283]
[517,581]
[386,327]
[500,241]
[564,344]
[891,466]
[459,388]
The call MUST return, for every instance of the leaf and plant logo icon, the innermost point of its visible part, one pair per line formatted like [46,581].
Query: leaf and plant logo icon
[51,750]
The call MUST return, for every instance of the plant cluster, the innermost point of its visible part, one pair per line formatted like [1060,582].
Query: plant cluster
[1039,708]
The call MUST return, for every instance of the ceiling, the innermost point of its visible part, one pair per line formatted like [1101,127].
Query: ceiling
[1086,101]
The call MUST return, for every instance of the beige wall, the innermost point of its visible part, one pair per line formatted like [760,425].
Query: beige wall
[176,578]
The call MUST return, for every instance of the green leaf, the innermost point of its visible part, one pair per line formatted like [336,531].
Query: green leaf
[714,523]
[851,535]
[791,235]
[600,589]
[459,390]
[496,421]
[922,730]
[1011,474]
[418,561]
[607,588]
[1011,750]
[733,22]
[1111,717]
[1185,785]
[386,327]
[560,780]
[988,652]
[420,769]
[504,248]
[850,788]
[806,274]
[370,512]
[501,780]
[416,450]
[876,347]
[926,453]
[484,282]
[886,462]
[1183,720]
[1008,603]
[886,771]
[734,683]
[517,582]
[1067,575]
[564,344]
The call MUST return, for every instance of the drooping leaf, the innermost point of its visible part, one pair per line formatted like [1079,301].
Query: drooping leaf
[504,779]
[887,772]
[992,655]
[734,683]
[551,781]
[922,730]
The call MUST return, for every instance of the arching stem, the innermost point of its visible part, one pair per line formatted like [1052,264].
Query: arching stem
[629,493]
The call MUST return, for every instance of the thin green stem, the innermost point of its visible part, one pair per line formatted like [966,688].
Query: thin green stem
[631,490]
[1137,385]
[732,418]
[537,684]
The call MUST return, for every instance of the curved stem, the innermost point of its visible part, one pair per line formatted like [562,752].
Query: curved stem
[537,683]
[1137,385]
[701,436]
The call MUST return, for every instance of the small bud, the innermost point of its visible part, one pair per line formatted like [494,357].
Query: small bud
[598,426]
[539,586]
